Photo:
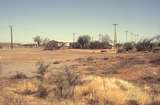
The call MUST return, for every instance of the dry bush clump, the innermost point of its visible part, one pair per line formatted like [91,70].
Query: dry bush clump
[42,70]
[128,46]
[65,82]
[90,58]
[56,62]
[132,102]
[41,92]
[19,75]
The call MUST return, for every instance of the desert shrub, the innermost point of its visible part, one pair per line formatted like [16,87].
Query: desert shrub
[51,45]
[144,45]
[106,45]
[19,75]
[42,68]
[120,50]
[90,58]
[75,45]
[1,47]
[56,62]
[132,102]
[65,83]
[128,46]
[95,45]
[100,45]
[41,92]
[84,41]
[118,45]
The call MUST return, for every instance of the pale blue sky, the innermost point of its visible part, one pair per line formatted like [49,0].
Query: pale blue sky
[58,19]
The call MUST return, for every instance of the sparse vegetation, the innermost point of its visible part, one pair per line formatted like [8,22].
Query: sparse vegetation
[65,83]
[99,84]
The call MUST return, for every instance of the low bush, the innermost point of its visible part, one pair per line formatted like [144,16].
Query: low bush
[42,68]
[144,45]
[93,45]
[100,45]
[132,102]
[75,45]
[65,83]
[41,92]
[128,46]
[56,62]
[51,45]
[19,75]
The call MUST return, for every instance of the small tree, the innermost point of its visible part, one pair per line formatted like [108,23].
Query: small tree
[84,41]
[38,40]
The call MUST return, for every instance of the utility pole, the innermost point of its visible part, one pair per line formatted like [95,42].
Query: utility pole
[132,37]
[73,37]
[135,38]
[126,35]
[11,31]
[115,34]
[92,38]
[100,37]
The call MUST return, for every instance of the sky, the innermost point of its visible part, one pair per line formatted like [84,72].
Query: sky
[59,19]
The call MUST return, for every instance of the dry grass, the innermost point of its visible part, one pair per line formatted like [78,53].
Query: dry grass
[25,87]
[93,89]
[112,89]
